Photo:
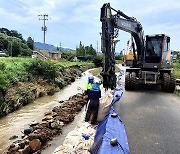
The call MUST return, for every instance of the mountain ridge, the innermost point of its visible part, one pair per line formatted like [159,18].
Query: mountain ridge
[39,45]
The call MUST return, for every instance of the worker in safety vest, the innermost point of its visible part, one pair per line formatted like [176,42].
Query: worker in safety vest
[88,85]
[93,107]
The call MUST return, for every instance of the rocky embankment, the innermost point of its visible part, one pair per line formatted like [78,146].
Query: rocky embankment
[24,93]
[36,137]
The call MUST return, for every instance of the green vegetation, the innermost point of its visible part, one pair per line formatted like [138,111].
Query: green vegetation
[66,64]
[68,55]
[14,70]
[118,57]
[87,51]
[22,75]
[177,69]
[13,44]
[98,61]
[177,93]
[177,72]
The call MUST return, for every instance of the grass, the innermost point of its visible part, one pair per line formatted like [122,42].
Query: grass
[177,93]
[12,70]
[177,69]
[15,69]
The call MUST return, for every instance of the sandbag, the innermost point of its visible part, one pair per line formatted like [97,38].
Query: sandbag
[78,141]
[104,104]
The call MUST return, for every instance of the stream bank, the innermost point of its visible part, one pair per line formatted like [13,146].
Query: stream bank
[23,93]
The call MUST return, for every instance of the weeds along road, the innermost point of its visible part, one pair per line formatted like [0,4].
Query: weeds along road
[152,120]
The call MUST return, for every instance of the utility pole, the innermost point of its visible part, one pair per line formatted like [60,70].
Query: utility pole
[60,46]
[44,28]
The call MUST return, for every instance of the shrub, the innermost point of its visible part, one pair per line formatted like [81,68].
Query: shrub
[59,82]
[98,61]
[4,82]
[45,69]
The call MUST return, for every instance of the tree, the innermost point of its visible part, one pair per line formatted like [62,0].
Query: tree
[14,33]
[25,50]
[85,51]
[16,49]
[3,43]
[68,55]
[30,43]
[57,48]
[90,50]
[13,42]
[5,31]
[81,50]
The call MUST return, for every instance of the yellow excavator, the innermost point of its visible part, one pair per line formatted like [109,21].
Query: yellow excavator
[129,55]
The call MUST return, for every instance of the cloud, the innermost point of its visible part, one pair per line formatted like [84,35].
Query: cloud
[76,20]
[171,30]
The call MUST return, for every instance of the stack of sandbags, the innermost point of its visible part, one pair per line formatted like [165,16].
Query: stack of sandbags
[78,141]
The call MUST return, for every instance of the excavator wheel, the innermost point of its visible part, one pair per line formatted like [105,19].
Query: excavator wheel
[165,82]
[127,81]
[172,83]
[133,80]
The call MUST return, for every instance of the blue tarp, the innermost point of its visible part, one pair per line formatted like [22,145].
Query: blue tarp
[110,128]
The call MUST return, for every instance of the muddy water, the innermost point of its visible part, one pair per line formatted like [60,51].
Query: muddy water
[15,122]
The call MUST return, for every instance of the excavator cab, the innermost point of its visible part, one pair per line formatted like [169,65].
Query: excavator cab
[156,47]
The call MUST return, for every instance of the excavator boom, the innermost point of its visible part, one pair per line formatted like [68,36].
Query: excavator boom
[110,26]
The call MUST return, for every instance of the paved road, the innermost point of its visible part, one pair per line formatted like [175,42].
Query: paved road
[152,121]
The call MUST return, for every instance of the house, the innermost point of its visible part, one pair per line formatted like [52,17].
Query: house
[46,54]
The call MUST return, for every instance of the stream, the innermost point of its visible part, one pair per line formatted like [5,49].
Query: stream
[14,123]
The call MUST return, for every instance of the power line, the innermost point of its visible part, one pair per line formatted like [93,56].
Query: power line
[29,7]
[26,7]
[44,28]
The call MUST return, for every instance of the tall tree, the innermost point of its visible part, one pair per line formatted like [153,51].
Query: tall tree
[90,50]
[81,50]
[16,49]
[30,43]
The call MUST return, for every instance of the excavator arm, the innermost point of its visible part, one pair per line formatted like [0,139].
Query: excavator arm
[110,26]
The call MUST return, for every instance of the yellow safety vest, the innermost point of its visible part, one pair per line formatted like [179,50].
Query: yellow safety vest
[88,86]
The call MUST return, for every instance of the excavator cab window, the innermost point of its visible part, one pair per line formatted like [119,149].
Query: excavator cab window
[153,49]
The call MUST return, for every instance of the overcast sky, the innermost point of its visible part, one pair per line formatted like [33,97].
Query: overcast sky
[72,21]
